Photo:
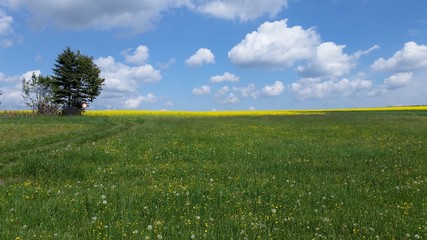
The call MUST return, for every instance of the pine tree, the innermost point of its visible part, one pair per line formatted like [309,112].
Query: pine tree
[76,80]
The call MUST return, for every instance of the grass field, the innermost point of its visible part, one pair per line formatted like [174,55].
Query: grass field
[329,175]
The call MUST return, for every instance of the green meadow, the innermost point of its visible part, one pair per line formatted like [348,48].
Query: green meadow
[337,175]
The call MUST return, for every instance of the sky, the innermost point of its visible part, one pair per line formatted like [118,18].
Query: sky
[204,55]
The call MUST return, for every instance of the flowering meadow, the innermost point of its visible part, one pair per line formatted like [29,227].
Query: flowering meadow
[258,175]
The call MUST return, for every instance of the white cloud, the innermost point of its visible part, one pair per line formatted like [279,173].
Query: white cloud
[135,15]
[230,99]
[7,79]
[222,91]
[359,54]
[411,57]
[203,90]
[275,45]
[242,9]
[29,74]
[139,56]
[398,80]
[5,23]
[6,43]
[122,81]
[329,60]
[11,87]
[226,77]
[316,88]
[6,30]
[224,96]
[165,66]
[395,81]
[122,77]
[136,102]
[274,90]
[249,91]
[202,56]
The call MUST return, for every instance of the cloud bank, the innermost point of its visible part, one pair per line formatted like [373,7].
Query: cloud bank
[135,15]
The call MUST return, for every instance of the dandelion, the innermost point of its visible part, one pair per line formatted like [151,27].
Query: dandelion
[273,211]
[193,236]
[103,196]
[150,227]
[198,217]
[104,202]
[135,232]
[159,236]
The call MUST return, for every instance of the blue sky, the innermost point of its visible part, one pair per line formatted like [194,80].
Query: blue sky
[225,54]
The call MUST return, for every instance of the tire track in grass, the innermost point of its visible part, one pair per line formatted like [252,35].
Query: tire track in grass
[92,134]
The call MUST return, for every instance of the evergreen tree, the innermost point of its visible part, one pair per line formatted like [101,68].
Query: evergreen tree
[76,80]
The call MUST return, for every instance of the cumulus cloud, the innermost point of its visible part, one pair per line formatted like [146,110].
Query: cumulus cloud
[6,30]
[203,90]
[6,79]
[329,60]
[230,99]
[226,77]
[317,88]
[398,80]
[249,91]
[202,56]
[243,10]
[275,45]
[5,23]
[394,82]
[139,56]
[122,80]
[274,90]
[122,77]
[11,87]
[411,57]
[222,91]
[224,96]
[136,102]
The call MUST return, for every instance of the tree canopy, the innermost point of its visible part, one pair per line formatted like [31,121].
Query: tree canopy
[38,95]
[76,80]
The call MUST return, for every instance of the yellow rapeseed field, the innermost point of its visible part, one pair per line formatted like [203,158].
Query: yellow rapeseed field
[195,113]
[242,112]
